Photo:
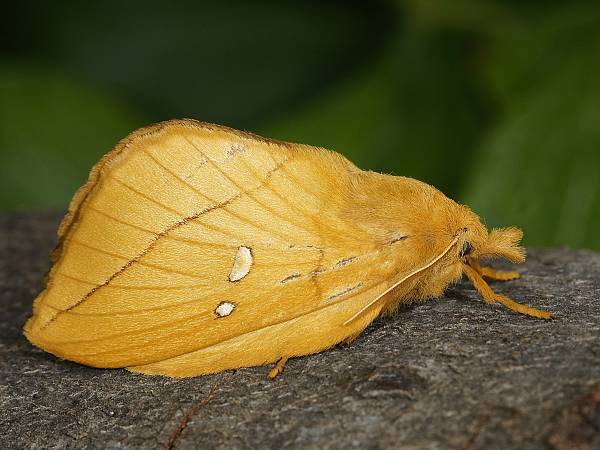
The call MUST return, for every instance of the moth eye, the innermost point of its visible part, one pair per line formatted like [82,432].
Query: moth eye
[467,248]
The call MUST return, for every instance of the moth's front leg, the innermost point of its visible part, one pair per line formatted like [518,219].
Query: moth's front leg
[499,275]
[493,274]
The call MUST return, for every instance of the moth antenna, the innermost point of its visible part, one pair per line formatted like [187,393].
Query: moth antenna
[398,283]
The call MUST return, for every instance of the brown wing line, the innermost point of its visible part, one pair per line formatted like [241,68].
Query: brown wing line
[193,242]
[140,262]
[175,322]
[175,238]
[174,211]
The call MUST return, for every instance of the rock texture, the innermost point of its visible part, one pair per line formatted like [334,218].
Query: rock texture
[453,373]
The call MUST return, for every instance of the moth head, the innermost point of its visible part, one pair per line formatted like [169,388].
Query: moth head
[476,242]
[503,243]
[426,221]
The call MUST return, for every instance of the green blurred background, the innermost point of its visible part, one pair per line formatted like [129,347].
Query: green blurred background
[496,103]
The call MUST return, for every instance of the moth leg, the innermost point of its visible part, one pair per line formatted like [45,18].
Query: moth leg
[275,371]
[499,275]
[523,309]
[492,274]
[491,297]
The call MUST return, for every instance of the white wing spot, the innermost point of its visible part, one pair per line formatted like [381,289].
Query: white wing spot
[224,309]
[242,261]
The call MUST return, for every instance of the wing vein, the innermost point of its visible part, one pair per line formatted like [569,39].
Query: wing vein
[147,197]
[133,287]
[293,205]
[238,216]
[175,238]
[141,262]
[178,213]
[251,195]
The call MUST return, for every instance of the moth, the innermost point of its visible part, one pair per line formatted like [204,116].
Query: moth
[194,248]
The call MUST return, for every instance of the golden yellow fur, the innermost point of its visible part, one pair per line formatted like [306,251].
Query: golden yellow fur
[142,275]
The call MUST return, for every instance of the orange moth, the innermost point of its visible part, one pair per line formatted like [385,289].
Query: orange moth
[194,248]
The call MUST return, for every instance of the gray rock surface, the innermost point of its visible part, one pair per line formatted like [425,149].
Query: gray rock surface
[453,373]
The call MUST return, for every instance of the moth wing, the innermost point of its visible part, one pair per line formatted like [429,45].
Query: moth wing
[194,248]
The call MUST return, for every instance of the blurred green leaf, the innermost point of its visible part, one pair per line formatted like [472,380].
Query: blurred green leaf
[539,168]
[226,62]
[526,52]
[415,112]
[466,15]
[52,130]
